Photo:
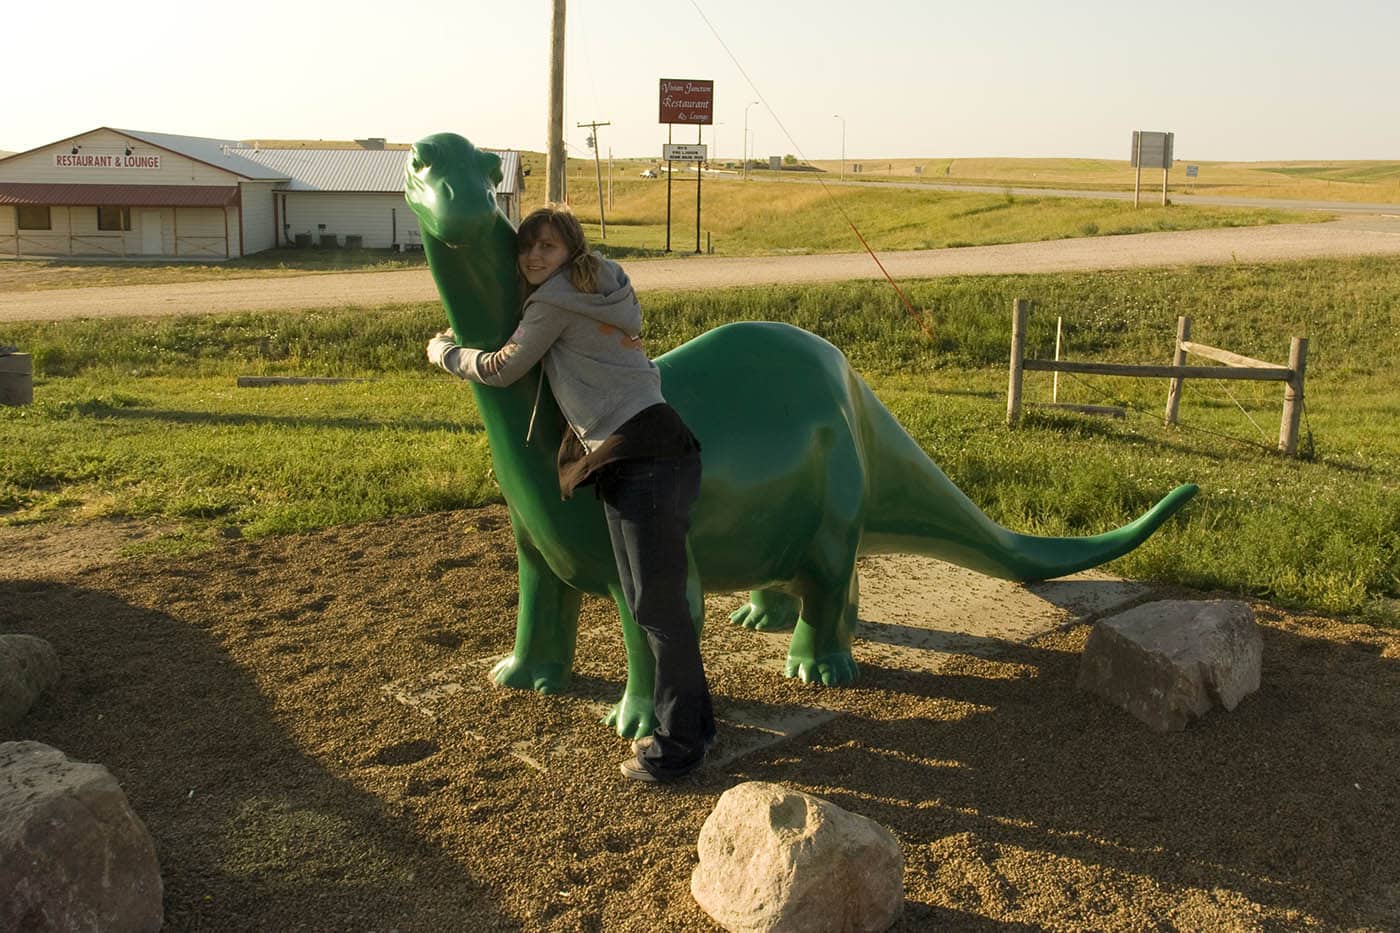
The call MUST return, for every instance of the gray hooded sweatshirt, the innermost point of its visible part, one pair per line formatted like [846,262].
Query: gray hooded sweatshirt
[590,347]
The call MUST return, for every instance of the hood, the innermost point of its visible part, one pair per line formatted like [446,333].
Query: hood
[616,303]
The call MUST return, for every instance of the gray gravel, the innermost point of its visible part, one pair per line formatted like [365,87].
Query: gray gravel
[1372,235]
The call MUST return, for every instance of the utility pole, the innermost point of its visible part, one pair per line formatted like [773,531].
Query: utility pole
[843,144]
[598,170]
[745,174]
[554,161]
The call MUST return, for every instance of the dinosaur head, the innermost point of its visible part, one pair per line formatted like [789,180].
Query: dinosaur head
[451,185]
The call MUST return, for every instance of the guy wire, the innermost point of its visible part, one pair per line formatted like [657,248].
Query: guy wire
[908,305]
[1102,396]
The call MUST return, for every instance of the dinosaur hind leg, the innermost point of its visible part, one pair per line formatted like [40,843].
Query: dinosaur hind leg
[820,651]
[768,611]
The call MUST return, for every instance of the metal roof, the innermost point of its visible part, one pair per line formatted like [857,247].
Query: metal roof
[357,169]
[346,170]
[335,169]
[227,154]
[124,195]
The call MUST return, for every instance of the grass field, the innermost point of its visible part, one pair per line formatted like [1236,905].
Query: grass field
[142,417]
[741,220]
[1356,181]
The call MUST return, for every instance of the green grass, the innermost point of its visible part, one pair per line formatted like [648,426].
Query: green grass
[770,218]
[142,417]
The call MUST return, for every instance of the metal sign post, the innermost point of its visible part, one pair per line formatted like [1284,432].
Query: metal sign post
[699,174]
[668,188]
[685,101]
[698,154]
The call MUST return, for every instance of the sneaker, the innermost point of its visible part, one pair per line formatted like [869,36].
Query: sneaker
[639,746]
[634,769]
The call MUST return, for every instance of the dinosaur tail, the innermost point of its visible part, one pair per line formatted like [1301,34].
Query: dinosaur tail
[915,508]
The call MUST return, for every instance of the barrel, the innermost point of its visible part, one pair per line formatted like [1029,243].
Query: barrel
[16,379]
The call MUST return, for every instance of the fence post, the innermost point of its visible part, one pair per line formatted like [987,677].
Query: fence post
[1293,396]
[1183,334]
[1019,308]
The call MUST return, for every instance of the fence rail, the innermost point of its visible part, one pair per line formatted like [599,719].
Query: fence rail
[1235,367]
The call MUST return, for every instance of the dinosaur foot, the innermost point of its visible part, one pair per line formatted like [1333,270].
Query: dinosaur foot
[768,611]
[831,670]
[544,676]
[632,717]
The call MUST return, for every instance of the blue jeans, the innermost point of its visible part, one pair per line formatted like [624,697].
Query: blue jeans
[648,503]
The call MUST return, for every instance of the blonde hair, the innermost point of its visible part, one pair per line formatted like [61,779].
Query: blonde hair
[584,265]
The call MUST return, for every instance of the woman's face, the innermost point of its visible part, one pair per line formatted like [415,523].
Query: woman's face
[540,259]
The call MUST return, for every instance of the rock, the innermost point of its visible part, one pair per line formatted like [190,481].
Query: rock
[1172,661]
[775,859]
[28,667]
[73,855]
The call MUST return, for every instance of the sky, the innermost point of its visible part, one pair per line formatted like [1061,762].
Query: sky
[1235,80]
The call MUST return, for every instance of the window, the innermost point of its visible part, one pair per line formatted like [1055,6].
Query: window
[114,218]
[34,217]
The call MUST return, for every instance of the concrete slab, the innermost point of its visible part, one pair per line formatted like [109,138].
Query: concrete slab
[916,611]
[915,614]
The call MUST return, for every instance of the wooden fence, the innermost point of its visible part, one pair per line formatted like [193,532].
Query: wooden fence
[1236,367]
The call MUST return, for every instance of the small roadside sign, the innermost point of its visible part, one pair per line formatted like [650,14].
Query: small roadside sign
[1192,171]
[683,153]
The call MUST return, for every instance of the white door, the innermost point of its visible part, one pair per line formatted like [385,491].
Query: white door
[150,233]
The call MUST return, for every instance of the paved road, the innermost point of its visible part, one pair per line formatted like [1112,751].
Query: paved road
[1373,235]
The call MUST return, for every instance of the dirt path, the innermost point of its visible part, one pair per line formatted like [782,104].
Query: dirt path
[1353,236]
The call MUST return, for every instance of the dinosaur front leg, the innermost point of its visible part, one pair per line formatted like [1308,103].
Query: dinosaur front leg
[768,611]
[545,629]
[820,651]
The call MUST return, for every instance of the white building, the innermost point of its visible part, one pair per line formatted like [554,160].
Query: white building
[112,192]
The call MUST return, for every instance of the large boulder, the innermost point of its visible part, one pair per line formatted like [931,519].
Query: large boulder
[28,667]
[73,855]
[775,859]
[1172,661]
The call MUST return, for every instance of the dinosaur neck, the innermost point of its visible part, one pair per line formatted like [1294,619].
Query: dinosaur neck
[481,296]
[479,286]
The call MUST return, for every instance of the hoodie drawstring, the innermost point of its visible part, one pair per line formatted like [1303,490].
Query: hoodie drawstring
[530,431]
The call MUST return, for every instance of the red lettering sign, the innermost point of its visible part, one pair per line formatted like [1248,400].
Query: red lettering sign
[687,101]
[104,160]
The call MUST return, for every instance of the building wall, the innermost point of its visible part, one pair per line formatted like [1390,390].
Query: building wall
[73,231]
[257,216]
[39,167]
[384,220]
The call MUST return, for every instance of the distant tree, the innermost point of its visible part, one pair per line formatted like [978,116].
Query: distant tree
[789,159]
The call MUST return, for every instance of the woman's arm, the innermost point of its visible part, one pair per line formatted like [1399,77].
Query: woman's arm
[537,332]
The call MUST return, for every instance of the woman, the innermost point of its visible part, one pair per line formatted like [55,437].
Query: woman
[581,320]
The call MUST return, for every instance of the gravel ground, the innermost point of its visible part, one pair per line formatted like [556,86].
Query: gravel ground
[1352,236]
[248,699]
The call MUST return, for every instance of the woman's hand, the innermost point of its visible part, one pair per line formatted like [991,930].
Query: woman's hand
[441,352]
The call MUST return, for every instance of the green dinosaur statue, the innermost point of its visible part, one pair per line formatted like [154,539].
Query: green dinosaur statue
[804,469]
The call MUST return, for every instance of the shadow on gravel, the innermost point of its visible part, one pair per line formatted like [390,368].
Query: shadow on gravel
[251,833]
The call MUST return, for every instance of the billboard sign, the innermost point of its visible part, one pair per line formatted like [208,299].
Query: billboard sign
[1152,150]
[687,101]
